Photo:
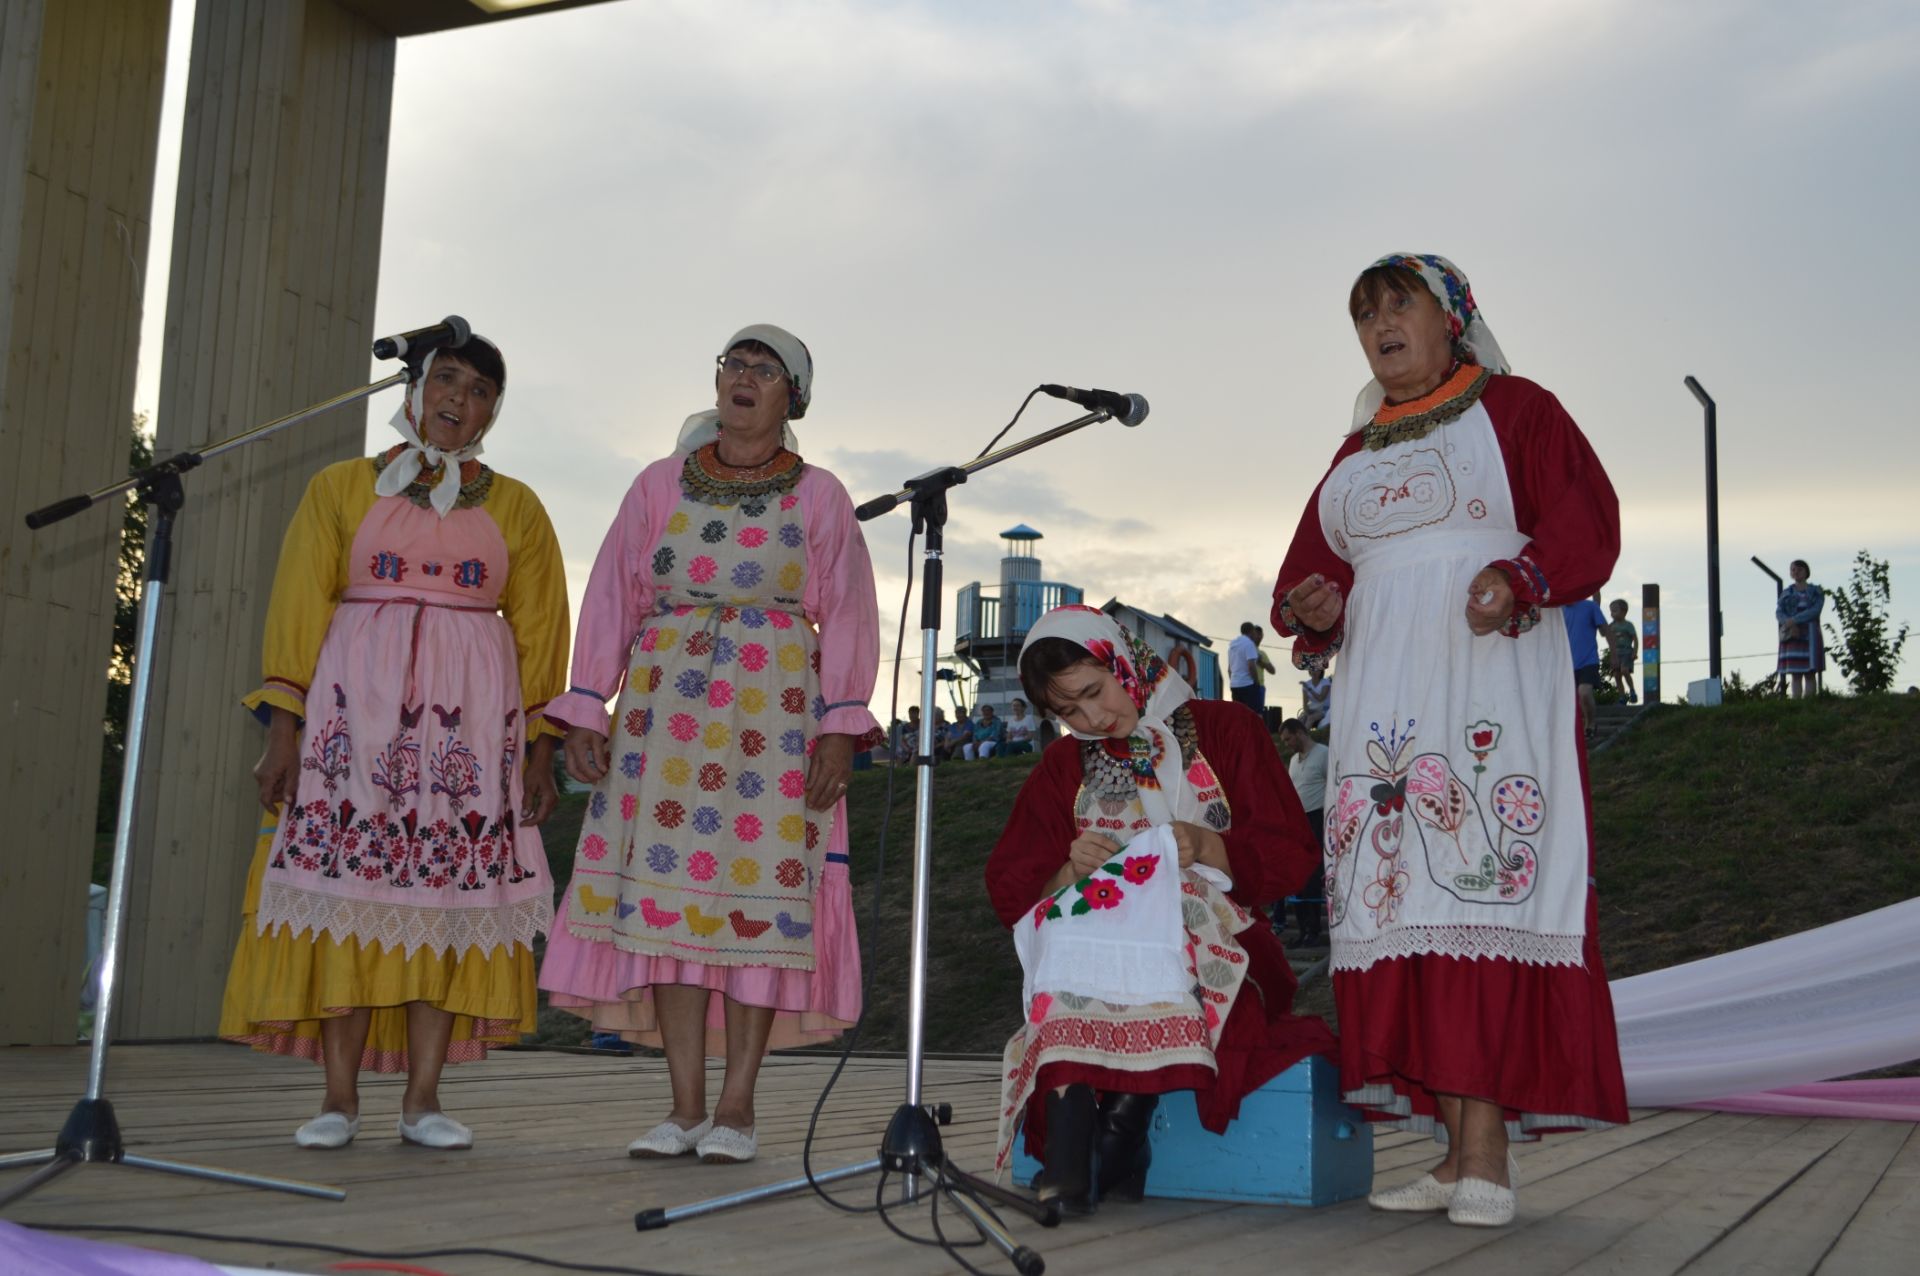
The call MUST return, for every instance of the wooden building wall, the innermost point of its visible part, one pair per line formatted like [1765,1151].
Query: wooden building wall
[80,85]
[276,253]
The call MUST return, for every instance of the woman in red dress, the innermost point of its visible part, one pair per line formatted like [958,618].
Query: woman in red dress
[1145,761]
[1461,511]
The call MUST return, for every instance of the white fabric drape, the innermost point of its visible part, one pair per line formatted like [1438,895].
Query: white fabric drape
[1830,1002]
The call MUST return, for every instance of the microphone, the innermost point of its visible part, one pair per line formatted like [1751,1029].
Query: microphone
[451,331]
[1127,409]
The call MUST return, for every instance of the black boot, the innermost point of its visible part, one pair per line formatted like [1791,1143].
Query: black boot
[1122,1150]
[1071,1173]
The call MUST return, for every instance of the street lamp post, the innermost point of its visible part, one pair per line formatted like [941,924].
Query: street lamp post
[1713,530]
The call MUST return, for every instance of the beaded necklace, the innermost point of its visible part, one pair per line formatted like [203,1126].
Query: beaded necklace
[476,481]
[1417,418]
[711,481]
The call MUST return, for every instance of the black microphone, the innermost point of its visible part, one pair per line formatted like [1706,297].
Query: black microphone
[451,331]
[1127,409]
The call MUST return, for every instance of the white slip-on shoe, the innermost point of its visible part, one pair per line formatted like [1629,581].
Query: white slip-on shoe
[1425,1195]
[1479,1203]
[668,1139]
[725,1145]
[436,1130]
[328,1130]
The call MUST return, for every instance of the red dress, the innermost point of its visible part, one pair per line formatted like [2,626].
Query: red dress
[1464,954]
[1271,853]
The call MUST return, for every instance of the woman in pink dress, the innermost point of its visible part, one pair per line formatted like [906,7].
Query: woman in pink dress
[731,614]
[418,626]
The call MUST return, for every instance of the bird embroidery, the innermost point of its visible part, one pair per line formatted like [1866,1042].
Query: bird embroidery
[791,928]
[448,721]
[657,917]
[747,929]
[593,901]
[702,926]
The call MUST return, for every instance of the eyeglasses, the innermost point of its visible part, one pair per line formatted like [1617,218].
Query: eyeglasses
[765,373]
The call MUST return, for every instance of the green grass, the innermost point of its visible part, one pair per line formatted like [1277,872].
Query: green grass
[1714,829]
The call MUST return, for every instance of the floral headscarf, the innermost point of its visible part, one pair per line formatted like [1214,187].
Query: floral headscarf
[419,454]
[1471,336]
[1152,751]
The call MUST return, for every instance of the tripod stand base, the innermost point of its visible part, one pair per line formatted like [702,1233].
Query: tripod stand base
[92,1135]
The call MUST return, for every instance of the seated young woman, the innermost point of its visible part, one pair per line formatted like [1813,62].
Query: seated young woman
[1149,778]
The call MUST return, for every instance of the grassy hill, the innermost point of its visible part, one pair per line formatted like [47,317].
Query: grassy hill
[1713,829]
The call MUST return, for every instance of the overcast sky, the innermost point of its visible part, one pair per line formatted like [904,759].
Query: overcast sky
[953,202]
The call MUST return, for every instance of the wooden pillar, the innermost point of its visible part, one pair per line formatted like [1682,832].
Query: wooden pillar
[80,84]
[276,253]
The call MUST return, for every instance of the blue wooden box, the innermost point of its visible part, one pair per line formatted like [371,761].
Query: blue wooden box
[1294,1143]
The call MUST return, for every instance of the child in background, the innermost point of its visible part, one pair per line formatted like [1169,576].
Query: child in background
[1623,645]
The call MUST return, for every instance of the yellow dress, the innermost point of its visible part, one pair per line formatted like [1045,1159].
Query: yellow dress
[399,875]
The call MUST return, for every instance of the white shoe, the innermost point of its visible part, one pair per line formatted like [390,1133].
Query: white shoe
[435,1130]
[725,1145]
[1479,1203]
[668,1139]
[1425,1195]
[328,1130]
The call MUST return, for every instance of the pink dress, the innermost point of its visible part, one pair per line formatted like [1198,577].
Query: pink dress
[735,630]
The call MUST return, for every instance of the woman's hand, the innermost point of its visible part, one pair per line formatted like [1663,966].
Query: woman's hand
[1489,601]
[1089,851]
[539,795]
[587,755]
[829,770]
[1316,602]
[1199,843]
[278,769]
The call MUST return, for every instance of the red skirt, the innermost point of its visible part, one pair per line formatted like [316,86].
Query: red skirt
[1537,1040]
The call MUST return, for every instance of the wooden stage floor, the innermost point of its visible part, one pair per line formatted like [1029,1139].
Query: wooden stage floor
[1675,1191]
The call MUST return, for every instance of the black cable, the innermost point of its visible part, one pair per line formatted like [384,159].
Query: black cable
[873,922]
[1009,425]
[344,1251]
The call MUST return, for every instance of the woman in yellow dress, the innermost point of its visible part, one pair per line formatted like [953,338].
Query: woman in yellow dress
[417,628]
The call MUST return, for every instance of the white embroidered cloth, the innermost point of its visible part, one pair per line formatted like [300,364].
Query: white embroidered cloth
[1116,935]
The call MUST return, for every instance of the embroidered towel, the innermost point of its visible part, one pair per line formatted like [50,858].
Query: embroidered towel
[1117,934]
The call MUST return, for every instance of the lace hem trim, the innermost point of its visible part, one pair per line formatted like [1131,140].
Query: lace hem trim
[1469,943]
[405,927]
[1397,1109]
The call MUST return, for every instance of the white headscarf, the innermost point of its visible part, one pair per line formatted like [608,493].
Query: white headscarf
[1156,691]
[703,428]
[1471,335]
[420,455]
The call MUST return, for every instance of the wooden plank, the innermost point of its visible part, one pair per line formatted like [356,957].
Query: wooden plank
[1884,1234]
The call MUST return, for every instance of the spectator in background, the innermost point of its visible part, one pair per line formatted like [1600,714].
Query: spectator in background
[988,735]
[960,735]
[1802,652]
[1243,658]
[1308,771]
[1623,643]
[1584,620]
[1316,700]
[942,736]
[1021,727]
[906,735]
[1262,666]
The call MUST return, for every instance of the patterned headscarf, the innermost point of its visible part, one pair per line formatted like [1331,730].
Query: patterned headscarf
[1471,336]
[419,454]
[703,427]
[1152,751]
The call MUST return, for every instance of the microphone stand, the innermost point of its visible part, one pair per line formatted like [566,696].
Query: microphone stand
[92,1132]
[911,1146]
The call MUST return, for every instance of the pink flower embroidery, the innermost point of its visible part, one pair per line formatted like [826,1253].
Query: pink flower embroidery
[683,727]
[649,639]
[702,569]
[1103,892]
[595,847]
[779,620]
[628,805]
[792,784]
[746,827]
[788,501]
[1139,868]
[701,866]
[752,537]
[753,657]
[719,693]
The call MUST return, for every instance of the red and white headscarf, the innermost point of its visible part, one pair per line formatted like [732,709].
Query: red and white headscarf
[1156,691]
